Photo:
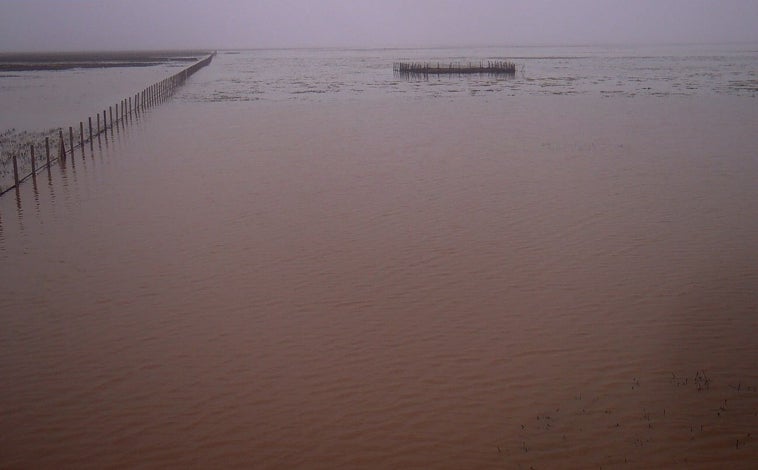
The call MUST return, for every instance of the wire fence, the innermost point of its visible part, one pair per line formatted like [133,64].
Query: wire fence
[57,148]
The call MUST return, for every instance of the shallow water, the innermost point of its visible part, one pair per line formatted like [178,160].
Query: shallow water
[379,283]
[50,99]
[43,99]
[328,74]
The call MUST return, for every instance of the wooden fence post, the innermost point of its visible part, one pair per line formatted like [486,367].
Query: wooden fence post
[34,163]
[71,140]
[90,132]
[15,171]
[47,151]
[81,136]
[61,146]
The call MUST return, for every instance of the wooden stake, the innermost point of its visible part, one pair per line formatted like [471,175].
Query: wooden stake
[90,132]
[71,140]
[15,171]
[34,163]
[81,136]
[47,151]
[61,146]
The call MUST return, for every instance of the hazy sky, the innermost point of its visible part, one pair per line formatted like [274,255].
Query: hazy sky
[151,24]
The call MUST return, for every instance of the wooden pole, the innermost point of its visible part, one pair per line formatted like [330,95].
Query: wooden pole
[61,146]
[15,171]
[90,132]
[71,139]
[116,114]
[110,112]
[81,136]
[34,163]
[105,121]
[47,151]
[130,106]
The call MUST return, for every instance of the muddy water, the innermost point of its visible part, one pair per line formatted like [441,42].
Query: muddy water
[547,282]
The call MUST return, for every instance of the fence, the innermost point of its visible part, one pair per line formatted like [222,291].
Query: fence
[491,67]
[114,116]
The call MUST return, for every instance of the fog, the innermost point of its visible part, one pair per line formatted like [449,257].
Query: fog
[42,25]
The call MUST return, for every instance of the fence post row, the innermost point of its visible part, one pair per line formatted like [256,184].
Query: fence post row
[151,96]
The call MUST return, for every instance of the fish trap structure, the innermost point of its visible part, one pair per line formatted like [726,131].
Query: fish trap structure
[425,69]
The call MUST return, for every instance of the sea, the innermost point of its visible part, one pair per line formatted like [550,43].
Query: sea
[304,260]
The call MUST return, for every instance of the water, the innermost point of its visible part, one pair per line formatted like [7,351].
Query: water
[317,75]
[385,278]
[41,99]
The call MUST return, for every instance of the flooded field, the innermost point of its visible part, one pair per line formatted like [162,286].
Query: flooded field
[388,283]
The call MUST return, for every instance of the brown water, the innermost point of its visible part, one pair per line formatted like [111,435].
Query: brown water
[385,284]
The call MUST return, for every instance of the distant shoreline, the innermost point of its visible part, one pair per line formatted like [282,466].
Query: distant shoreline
[24,62]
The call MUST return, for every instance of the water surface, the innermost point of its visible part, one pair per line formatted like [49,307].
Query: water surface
[389,283]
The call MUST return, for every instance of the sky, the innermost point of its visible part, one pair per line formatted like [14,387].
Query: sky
[49,25]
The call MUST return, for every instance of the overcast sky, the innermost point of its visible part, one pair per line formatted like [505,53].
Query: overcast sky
[27,25]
